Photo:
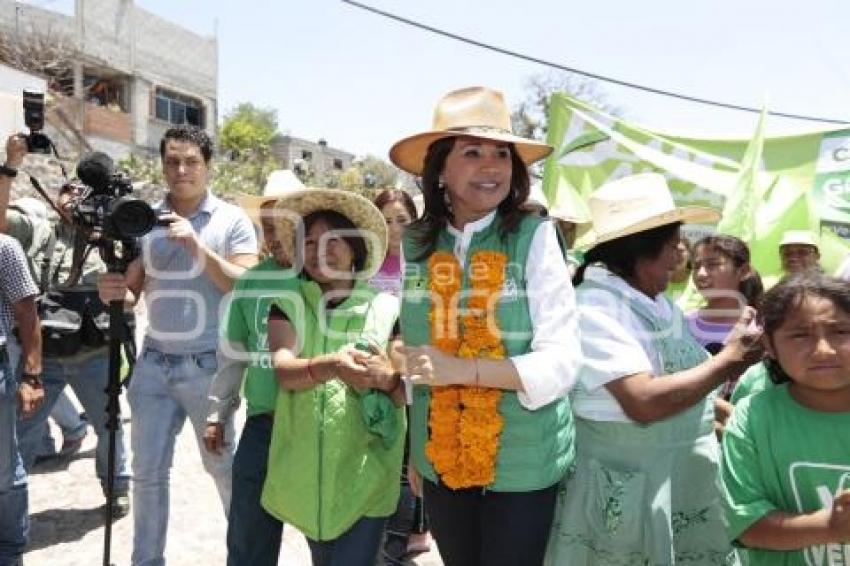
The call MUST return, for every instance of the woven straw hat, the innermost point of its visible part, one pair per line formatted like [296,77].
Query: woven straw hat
[638,203]
[293,207]
[279,183]
[478,112]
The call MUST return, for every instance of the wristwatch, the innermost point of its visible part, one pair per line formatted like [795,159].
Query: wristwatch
[32,379]
[7,171]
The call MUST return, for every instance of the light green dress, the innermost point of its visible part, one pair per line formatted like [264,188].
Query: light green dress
[645,494]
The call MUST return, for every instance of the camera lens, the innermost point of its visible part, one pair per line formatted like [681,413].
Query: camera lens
[130,218]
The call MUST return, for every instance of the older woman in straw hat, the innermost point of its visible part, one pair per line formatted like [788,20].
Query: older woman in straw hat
[253,536]
[644,489]
[489,324]
[335,460]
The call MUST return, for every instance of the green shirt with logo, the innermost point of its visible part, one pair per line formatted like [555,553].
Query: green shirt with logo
[246,322]
[781,456]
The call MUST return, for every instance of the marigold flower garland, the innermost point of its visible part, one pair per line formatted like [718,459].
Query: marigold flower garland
[464,422]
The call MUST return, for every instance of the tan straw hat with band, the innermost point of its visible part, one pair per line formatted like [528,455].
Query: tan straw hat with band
[293,207]
[476,112]
[638,203]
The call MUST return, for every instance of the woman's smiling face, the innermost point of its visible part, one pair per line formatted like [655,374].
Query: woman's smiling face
[477,174]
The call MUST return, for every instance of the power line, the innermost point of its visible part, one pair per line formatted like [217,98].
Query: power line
[596,76]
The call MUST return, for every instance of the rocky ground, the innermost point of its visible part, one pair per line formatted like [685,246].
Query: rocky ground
[66,510]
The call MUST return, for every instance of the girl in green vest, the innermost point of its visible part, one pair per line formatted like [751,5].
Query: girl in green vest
[489,326]
[336,449]
[644,489]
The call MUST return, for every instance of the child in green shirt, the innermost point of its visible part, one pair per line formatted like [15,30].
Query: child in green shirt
[786,450]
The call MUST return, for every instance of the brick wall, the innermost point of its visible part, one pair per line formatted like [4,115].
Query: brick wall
[105,123]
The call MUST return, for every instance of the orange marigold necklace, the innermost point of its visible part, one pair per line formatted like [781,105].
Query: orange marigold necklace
[464,422]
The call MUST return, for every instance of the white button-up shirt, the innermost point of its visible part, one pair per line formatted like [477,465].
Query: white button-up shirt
[614,342]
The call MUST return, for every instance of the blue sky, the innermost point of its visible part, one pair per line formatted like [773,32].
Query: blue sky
[362,82]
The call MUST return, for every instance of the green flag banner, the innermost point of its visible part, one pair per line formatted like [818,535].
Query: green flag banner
[800,181]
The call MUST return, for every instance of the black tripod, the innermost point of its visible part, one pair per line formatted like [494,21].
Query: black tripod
[117,255]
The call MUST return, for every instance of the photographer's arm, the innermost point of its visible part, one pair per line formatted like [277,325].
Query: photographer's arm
[16,149]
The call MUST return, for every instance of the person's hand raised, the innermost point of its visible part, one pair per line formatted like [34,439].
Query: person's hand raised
[744,344]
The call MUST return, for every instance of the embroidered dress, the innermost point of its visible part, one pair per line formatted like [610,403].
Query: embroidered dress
[644,495]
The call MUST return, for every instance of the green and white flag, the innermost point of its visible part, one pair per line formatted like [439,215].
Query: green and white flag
[802,181]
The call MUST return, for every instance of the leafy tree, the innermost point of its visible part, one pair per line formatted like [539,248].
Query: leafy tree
[531,115]
[142,169]
[244,142]
[368,176]
[248,130]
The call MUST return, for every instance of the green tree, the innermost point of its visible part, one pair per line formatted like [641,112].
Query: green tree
[245,139]
[368,176]
[530,116]
[248,130]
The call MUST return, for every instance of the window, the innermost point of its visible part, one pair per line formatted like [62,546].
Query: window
[308,155]
[338,164]
[178,109]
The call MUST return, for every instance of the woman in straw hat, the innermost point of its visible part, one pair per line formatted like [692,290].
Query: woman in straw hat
[489,324]
[337,439]
[644,489]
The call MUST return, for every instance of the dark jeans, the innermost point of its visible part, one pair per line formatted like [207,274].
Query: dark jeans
[476,527]
[358,546]
[253,536]
[14,521]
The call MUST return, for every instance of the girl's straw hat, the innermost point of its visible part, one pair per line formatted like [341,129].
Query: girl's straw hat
[293,207]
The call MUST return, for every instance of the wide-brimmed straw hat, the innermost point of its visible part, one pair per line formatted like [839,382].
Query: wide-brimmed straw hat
[279,183]
[477,112]
[638,203]
[293,207]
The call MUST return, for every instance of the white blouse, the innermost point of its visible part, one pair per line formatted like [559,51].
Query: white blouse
[614,342]
[549,370]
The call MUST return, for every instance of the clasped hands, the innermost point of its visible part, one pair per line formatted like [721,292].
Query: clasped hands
[369,370]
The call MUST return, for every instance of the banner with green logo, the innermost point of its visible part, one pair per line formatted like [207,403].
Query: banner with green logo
[800,181]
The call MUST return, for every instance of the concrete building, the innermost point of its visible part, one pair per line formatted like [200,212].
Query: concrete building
[134,75]
[314,158]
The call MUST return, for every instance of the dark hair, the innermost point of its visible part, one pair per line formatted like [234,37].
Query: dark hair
[751,287]
[387,196]
[436,215]
[621,255]
[191,134]
[787,296]
[337,221]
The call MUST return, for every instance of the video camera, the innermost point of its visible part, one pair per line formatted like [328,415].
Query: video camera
[101,204]
[37,142]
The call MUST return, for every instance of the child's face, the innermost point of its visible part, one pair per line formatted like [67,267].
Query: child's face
[813,347]
[714,271]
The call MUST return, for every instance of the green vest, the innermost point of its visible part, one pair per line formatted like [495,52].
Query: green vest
[326,469]
[535,447]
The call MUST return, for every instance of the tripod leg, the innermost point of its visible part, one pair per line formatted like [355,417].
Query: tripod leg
[116,330]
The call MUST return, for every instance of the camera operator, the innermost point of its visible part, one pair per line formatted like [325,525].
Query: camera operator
[79,358]
[185,270]
[17,304]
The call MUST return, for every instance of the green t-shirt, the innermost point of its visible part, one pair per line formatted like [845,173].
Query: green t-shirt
[780,455]
[246,322]
[754,380]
